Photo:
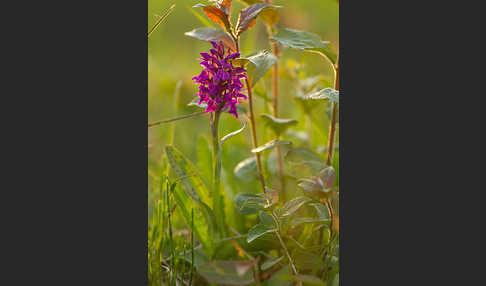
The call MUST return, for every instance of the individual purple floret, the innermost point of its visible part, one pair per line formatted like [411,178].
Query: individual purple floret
[220,82]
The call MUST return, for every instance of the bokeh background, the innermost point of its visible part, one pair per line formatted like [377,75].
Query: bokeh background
[172,61]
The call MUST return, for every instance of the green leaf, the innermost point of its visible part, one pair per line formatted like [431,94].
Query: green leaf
[307,260]
[301,220]
[258,65]
[246,169]
[248,16]
[305,41]
[217,15]
[278,125]
[307,279]
[194,185]
[267,220]
[326,93]
[270,145]
[247,203]
[212,34]
[204,221]
[227,272]
[259,230]
[293,205]
[303,162]
[321,210]
[232,134]
[271,262]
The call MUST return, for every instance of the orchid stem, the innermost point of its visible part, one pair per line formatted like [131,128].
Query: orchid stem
[217,205]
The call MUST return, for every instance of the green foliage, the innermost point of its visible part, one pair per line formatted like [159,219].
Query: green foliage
[251,234]
[269,145]
[305,41]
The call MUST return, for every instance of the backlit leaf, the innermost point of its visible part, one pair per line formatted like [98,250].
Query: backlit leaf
[259,230]
[293,205]
[248,16]
[217,15]
[270,145]
[212,34]
[258,65]
[271,262]
[326,93]
[247,203]
[246,169]
[306,41]
[278,125]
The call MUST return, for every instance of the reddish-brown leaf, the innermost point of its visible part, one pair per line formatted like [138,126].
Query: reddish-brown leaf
[248,16]
[217,15]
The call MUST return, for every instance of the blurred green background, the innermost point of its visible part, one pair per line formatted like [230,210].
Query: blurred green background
[172,57]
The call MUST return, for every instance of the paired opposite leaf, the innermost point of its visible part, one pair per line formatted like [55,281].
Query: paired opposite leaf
[278,125]
[306,41]
[247,203]
[248,16]
[217,15]
[212,34]
[270,145]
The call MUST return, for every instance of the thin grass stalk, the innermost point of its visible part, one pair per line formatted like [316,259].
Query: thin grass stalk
[254,134]
[167,13]
[192,247]
[251,116]
[332,124]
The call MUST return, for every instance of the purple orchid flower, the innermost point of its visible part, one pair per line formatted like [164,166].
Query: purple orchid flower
[219,82]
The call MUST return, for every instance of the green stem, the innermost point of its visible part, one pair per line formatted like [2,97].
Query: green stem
[332,124]
[217,204]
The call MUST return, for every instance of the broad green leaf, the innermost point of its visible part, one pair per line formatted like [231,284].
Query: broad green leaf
[257,65]
[232,134]
[271,262]
[227,272]
[326,93]
[259,230]
[193,184]
[321,210]
[246,169]
[270,145]
[248,16]
[307,260]
[303,162]
[217,15]
[212,34]
[278,125]
[204,221]
[249,203]
[293,205]
[306,41]
[204,158]
[307,279]
[267,219]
